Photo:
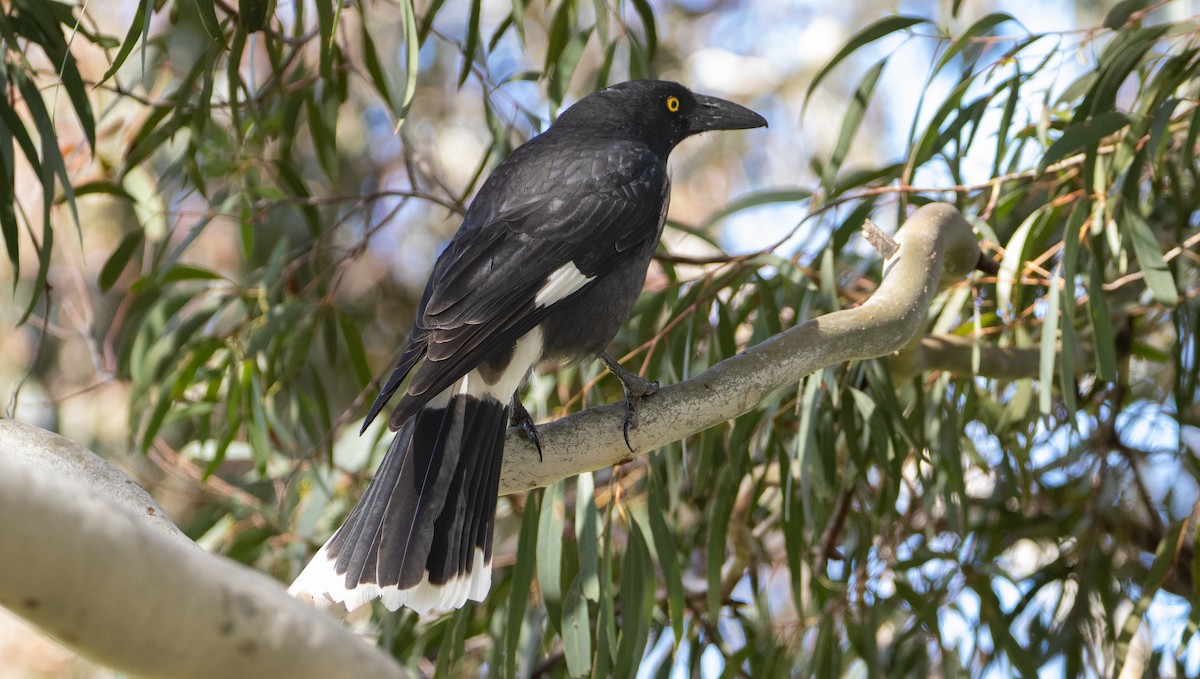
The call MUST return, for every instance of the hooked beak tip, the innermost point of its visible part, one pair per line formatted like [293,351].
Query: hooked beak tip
[718,114]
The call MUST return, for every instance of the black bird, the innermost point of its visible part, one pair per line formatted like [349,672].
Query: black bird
[547,264]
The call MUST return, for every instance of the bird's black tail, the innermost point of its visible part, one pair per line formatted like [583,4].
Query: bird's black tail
[421,536]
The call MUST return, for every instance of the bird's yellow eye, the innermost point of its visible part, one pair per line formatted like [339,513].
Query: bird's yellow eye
[672,104]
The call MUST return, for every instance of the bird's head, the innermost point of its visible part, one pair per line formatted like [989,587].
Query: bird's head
[658,112]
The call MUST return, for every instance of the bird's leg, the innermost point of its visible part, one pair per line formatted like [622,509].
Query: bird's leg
[635,387]
[520,417]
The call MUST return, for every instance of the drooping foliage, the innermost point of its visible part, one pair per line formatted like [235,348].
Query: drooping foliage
[232,210]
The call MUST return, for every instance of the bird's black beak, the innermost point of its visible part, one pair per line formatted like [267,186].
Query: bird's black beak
[717,114]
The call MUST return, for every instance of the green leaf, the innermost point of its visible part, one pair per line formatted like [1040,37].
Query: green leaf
[933,138]
[254,14]
[522,578]
[453,642]
[852,224]
[718,525]
[472,44]
[549,550]
[976,29]
[355,351]
[1079,136]
[564,68]
[605,66]
[103,188]
[374,69]
[1165,557]
[640,67]
[1156,145]
[1013,86]
[322,122]
[805,438]
[1121,56]
[412,52]
[880,29]
[294,183]
[13,125]
[258,429]
[851,120]
[8,214]
[431,13]
[646,12]
[1014,262]
[577,631]
[636,599]
[1103,338]
[162,404]
[1050,343]
[119,259]
[606,628]
[1150,257]
[559,34]
[518,15]
[140,28]
[664,545]
[154,132]
[1119,15]
[46,31]
[587,532]
[326,24]
[1070,272]
[755,199]
[187,272]
[52,159]
[824,658]
[212,25]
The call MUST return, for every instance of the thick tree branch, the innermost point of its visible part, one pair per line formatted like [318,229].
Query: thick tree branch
[955,354]
[92,560]
[99,563]
[936,245]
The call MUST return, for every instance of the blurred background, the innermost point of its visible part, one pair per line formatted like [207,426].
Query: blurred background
[219,233]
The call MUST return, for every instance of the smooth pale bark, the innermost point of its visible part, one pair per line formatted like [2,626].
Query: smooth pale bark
[954,354]
[91,559]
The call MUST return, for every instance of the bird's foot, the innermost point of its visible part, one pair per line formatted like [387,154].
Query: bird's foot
[520,417]
[636,388]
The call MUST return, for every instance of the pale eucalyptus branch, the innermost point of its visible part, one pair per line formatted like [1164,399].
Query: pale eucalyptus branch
[936,246]
[93,561]
[965,356]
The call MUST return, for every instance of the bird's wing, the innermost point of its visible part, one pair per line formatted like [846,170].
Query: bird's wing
[501,275]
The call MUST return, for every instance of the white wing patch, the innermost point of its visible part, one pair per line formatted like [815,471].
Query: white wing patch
[565,281]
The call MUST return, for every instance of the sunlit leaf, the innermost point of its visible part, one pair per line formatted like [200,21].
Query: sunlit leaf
[880,29]
[576,631]
[1079,136]
[981,27]
[208,18]
[853,118]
